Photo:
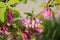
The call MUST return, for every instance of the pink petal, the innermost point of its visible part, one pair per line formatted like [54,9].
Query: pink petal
[47,13]
[39,30]
[10,17]
[24,36]
[38,21]
[33,23]
[58,11]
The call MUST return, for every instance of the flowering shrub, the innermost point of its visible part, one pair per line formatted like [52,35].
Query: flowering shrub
[24,20]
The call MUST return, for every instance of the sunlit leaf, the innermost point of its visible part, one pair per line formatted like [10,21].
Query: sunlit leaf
[2,10]
[41,26]
[58,6]
[43,5]
[24,1]
[11,2]
[2,4]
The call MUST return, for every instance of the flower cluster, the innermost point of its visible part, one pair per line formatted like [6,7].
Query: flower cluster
[31,26]
[28,22]
[10,17]
[47,13]
[3,29]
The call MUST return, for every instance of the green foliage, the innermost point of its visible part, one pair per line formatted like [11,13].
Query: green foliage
[11,2]
[2,10]
[19,37]
[24,1]
[43,4]
[17,23]
[28,14]
[4,6]
[3,37]
[34,0]
[16,14]
[58,7]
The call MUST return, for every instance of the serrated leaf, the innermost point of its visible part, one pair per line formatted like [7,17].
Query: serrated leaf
[43,5]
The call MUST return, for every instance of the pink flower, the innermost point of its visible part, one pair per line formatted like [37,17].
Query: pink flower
[38,30]
[24,36]
[25,21]
[38,21]
[4,29]
[33,23]
[58,11]
[47,13]
[10,17]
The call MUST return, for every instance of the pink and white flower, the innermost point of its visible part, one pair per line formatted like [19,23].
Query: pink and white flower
[47,13]
[4,29]
[38,30]
[24,36]
[27,22]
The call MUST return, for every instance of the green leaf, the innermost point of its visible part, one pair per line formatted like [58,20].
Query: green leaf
[55,2]
[58,7]
[2,4]
[2,11]
[43,5]
[16,14]
[41,26]
[33,37]
[51,2]
[17,23]
[19,37]
[11,2]
[28,14]
[24,1]
[34,0]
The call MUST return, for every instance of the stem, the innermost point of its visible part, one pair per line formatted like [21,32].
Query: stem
[53,35]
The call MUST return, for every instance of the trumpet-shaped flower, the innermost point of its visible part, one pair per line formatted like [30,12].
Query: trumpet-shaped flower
[27,22]
[47,13]
[4,29]
[38,30]
[10,17]
[24,36]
